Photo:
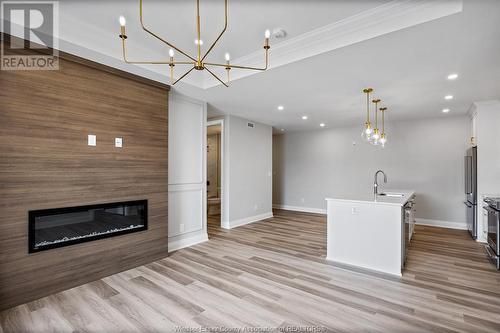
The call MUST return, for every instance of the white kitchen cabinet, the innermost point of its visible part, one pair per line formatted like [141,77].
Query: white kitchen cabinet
[368,231]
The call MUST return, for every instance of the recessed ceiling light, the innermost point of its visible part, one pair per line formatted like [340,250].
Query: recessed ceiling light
[448,97]
[452,76]
[446,110]
[304,117]
[322,125]
[282,129]
[281,107]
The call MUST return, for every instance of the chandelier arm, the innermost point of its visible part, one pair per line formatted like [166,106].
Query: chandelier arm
[158,37]
[143,62]
[220,35]
[124,51]
[183,76]
[243,67]
[216,76]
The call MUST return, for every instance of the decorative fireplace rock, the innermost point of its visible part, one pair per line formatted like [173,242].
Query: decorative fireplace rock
[51,228]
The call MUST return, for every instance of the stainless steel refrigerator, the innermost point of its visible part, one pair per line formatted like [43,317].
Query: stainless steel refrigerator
[471,190]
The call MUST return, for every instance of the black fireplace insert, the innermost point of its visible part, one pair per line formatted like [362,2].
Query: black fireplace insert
[51,228]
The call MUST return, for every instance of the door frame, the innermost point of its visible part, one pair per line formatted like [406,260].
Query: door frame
[223,206]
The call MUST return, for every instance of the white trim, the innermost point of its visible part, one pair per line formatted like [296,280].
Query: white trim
[442,224]
[246,220]
[363,270]
[199,233]
[181,243]
[374,22]
[300,209]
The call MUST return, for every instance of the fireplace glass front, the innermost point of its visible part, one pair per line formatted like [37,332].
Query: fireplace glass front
[51,228]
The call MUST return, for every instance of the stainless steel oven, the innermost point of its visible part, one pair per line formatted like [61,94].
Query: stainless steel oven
[492,206]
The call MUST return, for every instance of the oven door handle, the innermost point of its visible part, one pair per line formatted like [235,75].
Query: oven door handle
[490,210]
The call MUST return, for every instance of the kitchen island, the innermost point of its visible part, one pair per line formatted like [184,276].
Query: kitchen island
[369,231]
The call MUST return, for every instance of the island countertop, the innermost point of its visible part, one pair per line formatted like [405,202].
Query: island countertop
[379,199]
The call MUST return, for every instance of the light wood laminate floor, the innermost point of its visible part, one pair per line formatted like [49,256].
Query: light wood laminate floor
[272,274]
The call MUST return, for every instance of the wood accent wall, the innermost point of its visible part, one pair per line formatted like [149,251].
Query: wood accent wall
[45,117]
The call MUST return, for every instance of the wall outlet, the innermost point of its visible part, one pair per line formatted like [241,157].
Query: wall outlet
[302,200]
[181,227]
[255,207]
[91,140]
[118,142]
[354,211]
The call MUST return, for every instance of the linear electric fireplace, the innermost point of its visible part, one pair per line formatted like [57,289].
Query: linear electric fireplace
[51,228]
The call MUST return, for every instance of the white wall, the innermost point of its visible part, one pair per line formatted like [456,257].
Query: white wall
[186,172]
[247,172]
[487,129]
[424,155]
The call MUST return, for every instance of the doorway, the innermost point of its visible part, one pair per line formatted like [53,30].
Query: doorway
[214,175]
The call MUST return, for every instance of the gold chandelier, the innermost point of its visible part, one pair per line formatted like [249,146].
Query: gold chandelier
[197,61]
[369,134]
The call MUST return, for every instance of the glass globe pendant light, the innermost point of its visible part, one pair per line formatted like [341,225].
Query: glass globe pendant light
[367,129]
[383,137]
[376,133]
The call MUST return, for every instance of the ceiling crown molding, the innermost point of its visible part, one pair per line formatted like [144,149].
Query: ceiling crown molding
[392,16]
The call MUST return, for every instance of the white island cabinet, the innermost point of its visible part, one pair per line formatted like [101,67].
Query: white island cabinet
[368,231]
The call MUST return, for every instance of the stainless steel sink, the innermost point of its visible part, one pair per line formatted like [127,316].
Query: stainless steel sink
[392,194]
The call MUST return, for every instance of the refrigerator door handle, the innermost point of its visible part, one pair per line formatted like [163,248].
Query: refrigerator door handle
[468,174]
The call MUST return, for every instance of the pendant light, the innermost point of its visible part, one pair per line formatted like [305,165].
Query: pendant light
[383,138]
[376,132]
[367,130]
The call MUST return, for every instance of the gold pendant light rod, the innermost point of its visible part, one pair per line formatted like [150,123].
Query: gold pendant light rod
[382,110]
[198,61]
[376,101]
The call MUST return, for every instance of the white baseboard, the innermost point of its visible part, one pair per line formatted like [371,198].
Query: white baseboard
[246,220]
[442,224]
[180,242]
[300,209]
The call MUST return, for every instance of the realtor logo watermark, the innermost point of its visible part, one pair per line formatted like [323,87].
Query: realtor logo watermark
[31,31]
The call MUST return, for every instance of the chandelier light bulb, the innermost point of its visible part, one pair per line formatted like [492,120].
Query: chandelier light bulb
[227,56]
[171,53]
[122,21]
[196,41]
[267,34]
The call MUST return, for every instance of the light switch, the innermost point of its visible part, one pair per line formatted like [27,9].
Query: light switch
[91,140]
[118,142]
